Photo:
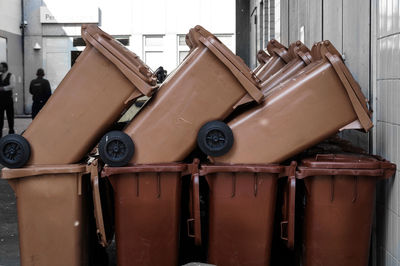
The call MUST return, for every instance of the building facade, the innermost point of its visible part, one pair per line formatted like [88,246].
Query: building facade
[367,34]
[154,30]
[11,45]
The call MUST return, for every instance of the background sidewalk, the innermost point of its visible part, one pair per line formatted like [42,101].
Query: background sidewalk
[20,124]
[9,250]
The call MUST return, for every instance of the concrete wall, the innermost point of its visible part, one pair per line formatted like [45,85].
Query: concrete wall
[386,80]
[171,18]
[10,16]
[10,21]
[243,30]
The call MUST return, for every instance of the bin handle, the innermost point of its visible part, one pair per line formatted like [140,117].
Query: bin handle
[139,70]
[139,83]
[262,58]
[98,212]
[282,53]
[195,208]
[251,89]
[306,57]
[362,113]
[290,214]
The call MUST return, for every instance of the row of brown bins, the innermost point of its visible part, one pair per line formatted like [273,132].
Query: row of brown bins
[244,121]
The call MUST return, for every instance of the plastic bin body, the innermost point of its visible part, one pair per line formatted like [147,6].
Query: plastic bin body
[241,213]
[339,208]
[204,87]
[279,57]
[52,214]
[299,56]
[147,213]
[89,99]
[299,113]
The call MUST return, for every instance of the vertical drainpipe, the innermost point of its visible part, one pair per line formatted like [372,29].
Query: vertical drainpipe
[23,54]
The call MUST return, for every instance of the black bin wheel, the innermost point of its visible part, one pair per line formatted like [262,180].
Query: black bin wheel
[15,151]
[215,138]
[116,148]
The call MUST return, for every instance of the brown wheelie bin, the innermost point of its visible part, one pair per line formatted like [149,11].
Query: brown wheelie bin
[315,104]
[53,213]
[300,58]
[241,211]
[339,207]
[147,212]
[91,97]
[278,56]
[204,88]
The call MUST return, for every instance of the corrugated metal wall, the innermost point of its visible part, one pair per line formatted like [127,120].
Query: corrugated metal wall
[386,81]
[315,20]
[367,33]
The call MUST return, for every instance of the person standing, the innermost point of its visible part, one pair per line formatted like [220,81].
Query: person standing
[7,84]
[41,92]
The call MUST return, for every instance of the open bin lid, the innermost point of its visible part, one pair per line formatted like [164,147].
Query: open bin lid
[346,164]
[234,63]
[36,170]
[326,51]
[126,61]
[242,168]
[145,168]
[275,47]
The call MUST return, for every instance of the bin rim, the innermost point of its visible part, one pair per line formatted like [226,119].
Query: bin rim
[36,170]
[262,57]
[299,50]
[342,160]
[320,49]
[139,73]
[206,169]
[345,164]
[145,168]
[275,47]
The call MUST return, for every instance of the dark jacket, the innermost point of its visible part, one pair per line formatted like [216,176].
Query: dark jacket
[40,89]
[4,95]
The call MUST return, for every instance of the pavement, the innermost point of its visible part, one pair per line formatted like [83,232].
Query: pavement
[9,244]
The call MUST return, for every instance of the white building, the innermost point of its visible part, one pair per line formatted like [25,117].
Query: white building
[154,30]
[11,45]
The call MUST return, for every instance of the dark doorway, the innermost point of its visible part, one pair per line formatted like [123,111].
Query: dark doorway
[74,56]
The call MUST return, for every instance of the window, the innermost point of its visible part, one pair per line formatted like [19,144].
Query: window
[80,42]
[153,50]
[183,49]
[226,39]
[3,49]
[278,20]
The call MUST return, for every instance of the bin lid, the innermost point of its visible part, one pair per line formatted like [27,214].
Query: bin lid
[346,164]
[320,49]
[299,50]
[144,168]
[275,47]
[233,62]
[328,52]
[263,57]
[121,57]
[338,161]
[242,168]
[36,170]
